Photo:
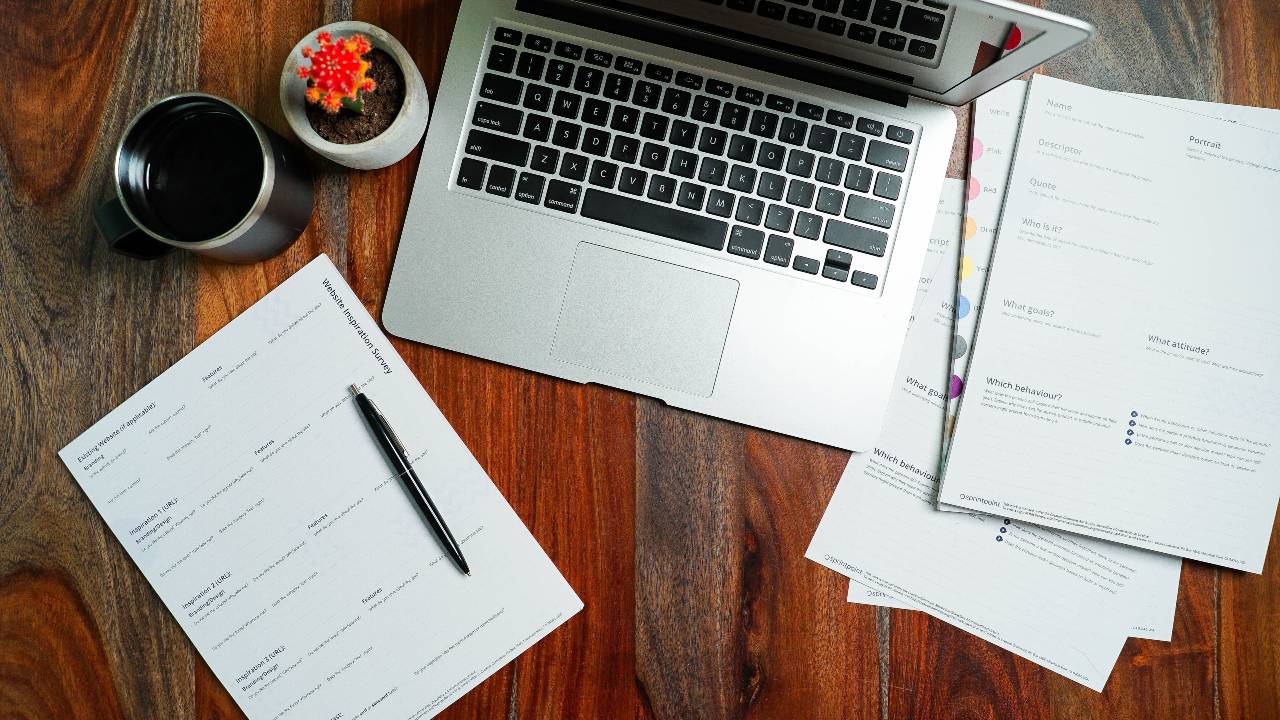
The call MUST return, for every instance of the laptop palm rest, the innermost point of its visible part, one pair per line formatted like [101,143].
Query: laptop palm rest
[633,317]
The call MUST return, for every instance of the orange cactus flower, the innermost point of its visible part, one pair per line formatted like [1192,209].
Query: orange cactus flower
[338,72]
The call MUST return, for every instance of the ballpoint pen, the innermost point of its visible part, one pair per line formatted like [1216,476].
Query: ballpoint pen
[399,459]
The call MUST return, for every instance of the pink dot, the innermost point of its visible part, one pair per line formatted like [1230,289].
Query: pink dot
[976,151]
[975,187]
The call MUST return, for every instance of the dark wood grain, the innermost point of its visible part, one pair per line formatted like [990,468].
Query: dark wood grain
[684,535]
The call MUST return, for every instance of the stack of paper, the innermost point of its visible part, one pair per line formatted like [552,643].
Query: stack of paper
[1122,381]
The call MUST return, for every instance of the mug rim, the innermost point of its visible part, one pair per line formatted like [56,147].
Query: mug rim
[255,211]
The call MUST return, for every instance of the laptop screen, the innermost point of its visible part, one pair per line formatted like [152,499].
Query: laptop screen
[927,45]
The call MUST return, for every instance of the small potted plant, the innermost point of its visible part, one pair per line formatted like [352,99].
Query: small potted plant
[354,96]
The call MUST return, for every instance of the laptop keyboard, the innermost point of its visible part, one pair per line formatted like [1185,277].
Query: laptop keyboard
[910,30]
[738,170]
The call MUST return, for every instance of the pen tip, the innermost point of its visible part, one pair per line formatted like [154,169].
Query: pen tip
[355,390]
[468,573]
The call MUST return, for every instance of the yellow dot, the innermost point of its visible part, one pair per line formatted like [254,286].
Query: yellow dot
[966,267]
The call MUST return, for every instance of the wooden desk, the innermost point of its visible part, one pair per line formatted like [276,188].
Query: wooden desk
[684,535]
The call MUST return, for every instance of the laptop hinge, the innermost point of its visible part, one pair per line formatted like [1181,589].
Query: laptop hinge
[649,27]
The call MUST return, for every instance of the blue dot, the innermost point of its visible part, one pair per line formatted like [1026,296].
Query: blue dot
[962,307]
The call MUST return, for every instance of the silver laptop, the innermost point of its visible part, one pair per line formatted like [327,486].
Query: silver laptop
[722,204]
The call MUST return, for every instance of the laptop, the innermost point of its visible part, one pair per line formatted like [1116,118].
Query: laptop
[721,204]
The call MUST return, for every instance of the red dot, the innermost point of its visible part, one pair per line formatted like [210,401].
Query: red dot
[1014,39]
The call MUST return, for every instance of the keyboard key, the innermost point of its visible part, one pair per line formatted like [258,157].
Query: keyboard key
[530,65]
[771,10]
[809,110]
[574,166]
[719,87]
[830,171]
[779,103]
[676,101]
[771,186]
[862,33]
[856,238]
[751,96]
[501,181]
[507,35]
[800,193]
[921,49]
[632,181]
[625,149]
[566,104]
[563,196]
[841,119]
[851,146]
[691,196]
[742,148]
[683,163]
[603,173]
[617,87]
[830,25]
[763,124]
[869,126]
[471,174]
[569,50]
[625,119]
[864,279]
[858,177]
[497,117]
[806,265]
[888,185]
[808,225]
[538,43]
[646,94]
[628,65]
[924,23]
[595,142]
[822,139]
[712,141]
[778,251]
[800,163]
[661,73]
[498,148]
[872,212]
[654,156]
[831,272]
[899,134]
[891,157]
[734,116]
[745,242]
[705,109]
[830,201]
[827,5]
[500,89]
[720,203]
[892,41]
[559,73]
[793,131]
[544,159]
[771,156]
[837,265]
[662,188]
[529,189]
[654,126]
[713,171]
[501,58]
[595,112]
[588,80]
[750,210]
[885,13]
[779,218]
[856,9]
[803,18]
[537,97]
[537,127]
[566,135]
[599,58]
[689,80]
[742,178]
[658,220]
[683,133]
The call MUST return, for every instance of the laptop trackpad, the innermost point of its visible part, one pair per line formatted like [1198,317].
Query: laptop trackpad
[644,319]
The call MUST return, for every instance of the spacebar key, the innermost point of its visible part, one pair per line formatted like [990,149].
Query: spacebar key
[656,219]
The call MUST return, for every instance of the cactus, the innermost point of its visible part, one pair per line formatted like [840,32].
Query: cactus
[337,78]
